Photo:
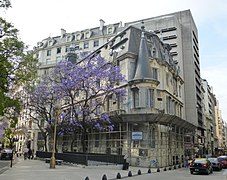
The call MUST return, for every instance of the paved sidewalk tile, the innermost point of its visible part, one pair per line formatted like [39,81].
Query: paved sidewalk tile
[39,170]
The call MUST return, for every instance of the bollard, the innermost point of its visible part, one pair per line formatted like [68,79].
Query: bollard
[179,166]
[164,169]
[118,176]
[149,170]
[174,167]
[158,170]
[87,178]
[104,177]
[129,174]
[139,172]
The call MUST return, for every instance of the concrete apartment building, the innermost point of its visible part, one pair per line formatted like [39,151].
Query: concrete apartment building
[180,31]
[220,129]
[162,119]
[209,101]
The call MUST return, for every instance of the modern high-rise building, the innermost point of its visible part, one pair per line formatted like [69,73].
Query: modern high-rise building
[180,31]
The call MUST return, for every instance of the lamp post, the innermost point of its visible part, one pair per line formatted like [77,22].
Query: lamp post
[53,160]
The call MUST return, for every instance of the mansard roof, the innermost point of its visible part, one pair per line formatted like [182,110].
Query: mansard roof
[143,70]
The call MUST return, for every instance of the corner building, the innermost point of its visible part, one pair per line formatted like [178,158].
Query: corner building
[161,120]
[180,31]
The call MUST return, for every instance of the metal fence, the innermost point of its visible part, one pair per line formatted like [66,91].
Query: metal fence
[83,158]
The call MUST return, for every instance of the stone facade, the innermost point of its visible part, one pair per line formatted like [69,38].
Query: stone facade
[162,117]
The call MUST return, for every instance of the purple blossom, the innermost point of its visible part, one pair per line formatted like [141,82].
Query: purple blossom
[82,87]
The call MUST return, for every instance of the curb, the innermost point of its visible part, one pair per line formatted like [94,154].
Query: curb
[139,173]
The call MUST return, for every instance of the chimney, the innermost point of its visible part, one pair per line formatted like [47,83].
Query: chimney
[120,24]
[63,32]
[101,24]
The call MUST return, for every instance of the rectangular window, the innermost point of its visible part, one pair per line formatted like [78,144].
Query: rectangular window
[77,47]
[48,52]
[96,43]
[58,50]
[180,91]
[40,136]
[167,79]
[86,45]
[155,73]
[175,86]
[174,108]
[135,92]
[168,105]
[150,98]
[66,48]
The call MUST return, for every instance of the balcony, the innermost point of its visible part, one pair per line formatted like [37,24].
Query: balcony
[116,112]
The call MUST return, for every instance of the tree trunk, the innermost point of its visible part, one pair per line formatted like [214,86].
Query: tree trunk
[45,144]
[56,142]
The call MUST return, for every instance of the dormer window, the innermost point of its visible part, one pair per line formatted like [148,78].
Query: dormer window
[50,43]
[110,29]
[78,36]
[69,38]
[87,34]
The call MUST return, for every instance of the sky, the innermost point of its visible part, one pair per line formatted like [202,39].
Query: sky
[39,19]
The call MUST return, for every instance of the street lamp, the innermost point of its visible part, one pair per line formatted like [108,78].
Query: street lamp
[56,113]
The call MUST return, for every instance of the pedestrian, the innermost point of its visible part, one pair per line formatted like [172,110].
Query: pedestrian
[30,153]
[25,153]
[186,161]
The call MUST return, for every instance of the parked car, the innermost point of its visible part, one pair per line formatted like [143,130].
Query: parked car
[200,165]
[223,161]
[216,165]
[6,154]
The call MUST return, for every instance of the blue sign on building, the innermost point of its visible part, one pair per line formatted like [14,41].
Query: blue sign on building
[137,135]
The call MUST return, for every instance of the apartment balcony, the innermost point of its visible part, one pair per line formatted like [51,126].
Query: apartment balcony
[116,112]
[47,64]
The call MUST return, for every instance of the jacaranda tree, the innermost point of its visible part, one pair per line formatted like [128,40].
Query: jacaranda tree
[82,90]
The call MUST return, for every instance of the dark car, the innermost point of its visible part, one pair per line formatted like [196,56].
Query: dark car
[216,165]
[200,165]
[6,154]
[223,161]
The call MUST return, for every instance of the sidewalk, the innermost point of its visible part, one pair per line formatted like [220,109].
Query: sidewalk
[39,170]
